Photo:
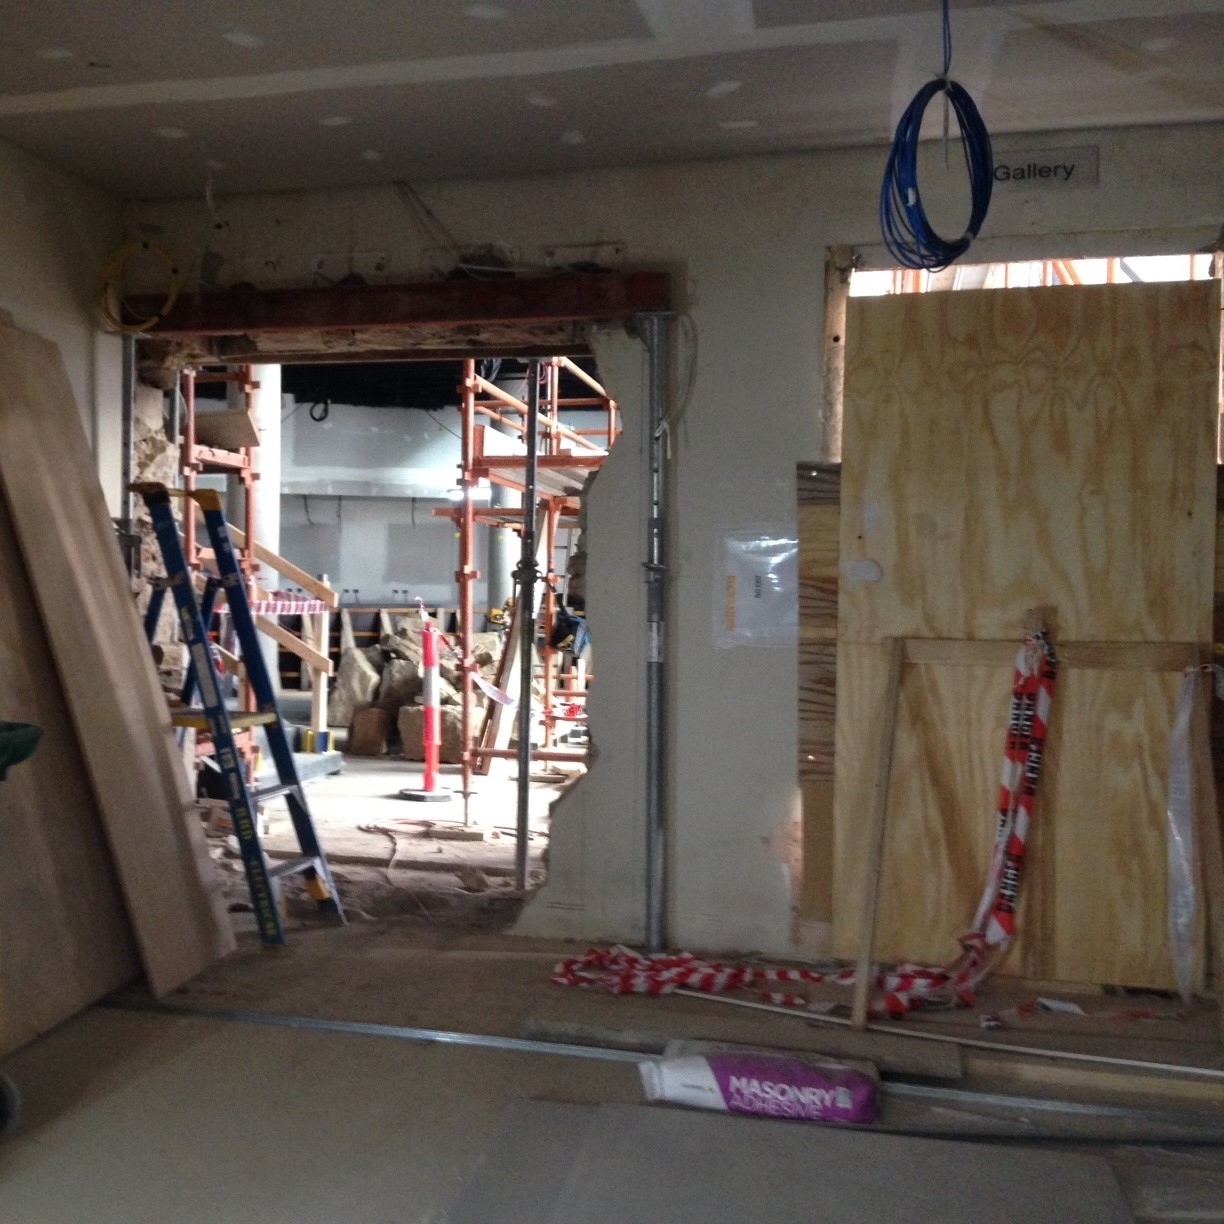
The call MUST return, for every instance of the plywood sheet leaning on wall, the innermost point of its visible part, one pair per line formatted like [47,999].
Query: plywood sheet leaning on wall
[64,934]
[105,668]
[1006,450]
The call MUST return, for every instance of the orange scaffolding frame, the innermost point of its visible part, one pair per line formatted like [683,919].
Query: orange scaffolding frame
[565,460]
[197,459]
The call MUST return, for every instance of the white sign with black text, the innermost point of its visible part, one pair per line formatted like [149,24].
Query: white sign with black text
[1078,167]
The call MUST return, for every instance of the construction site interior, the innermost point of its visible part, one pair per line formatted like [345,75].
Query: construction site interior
[611,611]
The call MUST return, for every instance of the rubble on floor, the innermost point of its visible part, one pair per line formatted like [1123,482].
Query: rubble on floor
[389,677]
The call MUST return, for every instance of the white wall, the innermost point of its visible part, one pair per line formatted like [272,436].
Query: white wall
[55,231]
[358,495]
[369,452]
[358,492]
[377,546]
[746,242]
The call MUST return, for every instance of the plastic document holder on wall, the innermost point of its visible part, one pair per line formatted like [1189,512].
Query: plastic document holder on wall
[756,594]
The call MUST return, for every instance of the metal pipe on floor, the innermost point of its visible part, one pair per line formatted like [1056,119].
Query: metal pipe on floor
[968,1043]
[655,330]
[1195,1127]
[527,623]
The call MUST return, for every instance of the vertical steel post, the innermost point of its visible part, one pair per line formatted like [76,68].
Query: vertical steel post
[547,652]
[127,438]
[466,575]
[655,329]
[527,623]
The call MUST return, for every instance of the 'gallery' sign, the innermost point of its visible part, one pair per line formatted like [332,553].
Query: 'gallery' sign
[1079,167]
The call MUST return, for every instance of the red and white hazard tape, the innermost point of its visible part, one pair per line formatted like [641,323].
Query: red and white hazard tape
[620,970]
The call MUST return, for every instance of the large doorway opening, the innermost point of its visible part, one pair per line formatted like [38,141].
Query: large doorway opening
[396,501]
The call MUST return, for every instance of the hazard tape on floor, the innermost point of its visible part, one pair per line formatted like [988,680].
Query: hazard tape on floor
[621,970]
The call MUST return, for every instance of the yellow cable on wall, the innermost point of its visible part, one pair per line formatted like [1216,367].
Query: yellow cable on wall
[112,269]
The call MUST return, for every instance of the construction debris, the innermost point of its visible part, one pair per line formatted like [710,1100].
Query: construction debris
[401,683]
[411,722]
[357,682]
[369,732]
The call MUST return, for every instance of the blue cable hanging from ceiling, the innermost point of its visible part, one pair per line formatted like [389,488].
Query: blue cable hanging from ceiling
[908,234]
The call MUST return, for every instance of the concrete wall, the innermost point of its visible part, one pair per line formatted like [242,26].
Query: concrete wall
[376,546]
[746,241]
[358,492]
[358,495]
[369,452]
[55,231]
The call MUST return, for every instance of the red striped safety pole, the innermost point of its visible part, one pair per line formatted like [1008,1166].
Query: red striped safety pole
[431,722]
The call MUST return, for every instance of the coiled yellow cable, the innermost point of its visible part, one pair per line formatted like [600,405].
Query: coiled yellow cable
[112,270]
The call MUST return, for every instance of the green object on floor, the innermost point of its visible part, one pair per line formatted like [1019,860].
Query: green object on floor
[17,741]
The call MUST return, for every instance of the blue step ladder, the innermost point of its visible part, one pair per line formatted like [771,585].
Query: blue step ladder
[215,717]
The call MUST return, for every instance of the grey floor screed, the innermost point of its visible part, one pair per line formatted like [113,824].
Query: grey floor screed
[628,1164]
[137,1118]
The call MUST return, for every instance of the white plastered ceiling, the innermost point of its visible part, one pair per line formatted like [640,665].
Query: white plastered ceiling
[161,98]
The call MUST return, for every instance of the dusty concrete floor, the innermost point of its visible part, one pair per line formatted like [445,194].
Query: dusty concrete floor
[135,1119]
[138,1117]
[389,855]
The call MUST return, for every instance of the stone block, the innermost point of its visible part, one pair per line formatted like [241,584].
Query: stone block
[412,724]
[401,684]
[357,682]
[368,735]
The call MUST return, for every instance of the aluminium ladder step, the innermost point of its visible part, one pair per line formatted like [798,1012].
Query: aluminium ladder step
[293,866]
[273,792]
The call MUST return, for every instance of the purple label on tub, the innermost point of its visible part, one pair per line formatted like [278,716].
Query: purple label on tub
[785,1088]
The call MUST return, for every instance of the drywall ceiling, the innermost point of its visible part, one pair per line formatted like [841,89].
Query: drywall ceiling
[163,98]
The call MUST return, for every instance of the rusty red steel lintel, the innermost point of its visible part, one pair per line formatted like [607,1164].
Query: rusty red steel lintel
[579,296]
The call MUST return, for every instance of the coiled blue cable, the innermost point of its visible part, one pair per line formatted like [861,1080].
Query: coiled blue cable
[908,234]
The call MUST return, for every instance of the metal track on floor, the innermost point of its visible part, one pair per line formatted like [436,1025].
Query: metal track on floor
[1193,1128]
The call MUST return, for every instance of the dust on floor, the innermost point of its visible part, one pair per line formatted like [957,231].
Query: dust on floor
[393,858]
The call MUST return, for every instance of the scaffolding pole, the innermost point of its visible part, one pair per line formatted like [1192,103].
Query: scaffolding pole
[466,575]
[655,327]
[560,452]
[527,625]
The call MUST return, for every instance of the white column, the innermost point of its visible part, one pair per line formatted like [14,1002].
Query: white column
[268,464]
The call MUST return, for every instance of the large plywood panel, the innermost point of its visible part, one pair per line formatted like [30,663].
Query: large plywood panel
[1105,811]
[1003,451]
[105,668]
[64,935]
[1035,447]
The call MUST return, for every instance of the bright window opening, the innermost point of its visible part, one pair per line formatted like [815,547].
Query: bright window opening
[1031,273]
